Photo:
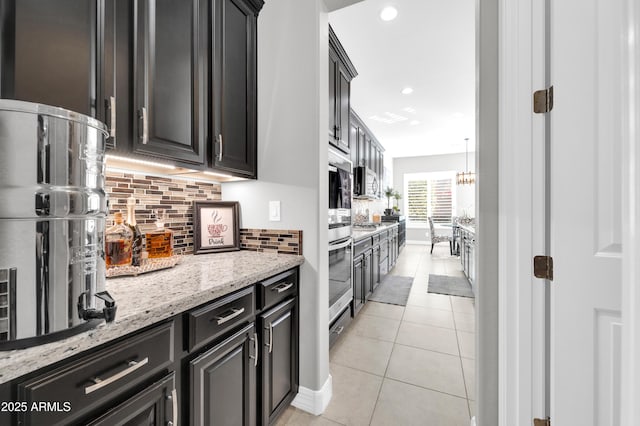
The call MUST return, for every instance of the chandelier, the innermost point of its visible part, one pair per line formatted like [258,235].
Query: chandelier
[466,178]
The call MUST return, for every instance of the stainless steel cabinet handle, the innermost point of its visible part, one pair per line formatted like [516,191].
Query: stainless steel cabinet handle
[220,150]
[333,247]
[112,107]
[174,408]
[270,344]
[338,330]
[144,138]
[99,383]
[255,350]
[234,313]
[282,287]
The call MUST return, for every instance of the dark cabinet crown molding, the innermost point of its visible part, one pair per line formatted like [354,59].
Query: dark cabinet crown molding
[256,5]
[342,54]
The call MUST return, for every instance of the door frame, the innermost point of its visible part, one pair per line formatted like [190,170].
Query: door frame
[522,214]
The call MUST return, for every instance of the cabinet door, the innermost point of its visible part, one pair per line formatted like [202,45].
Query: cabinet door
[279,337]
[223,382]
[342,117]
[375,265]
[59,53]
[170,44]
[156,405]
[333,69]
[358,283]
[353,143]
[234,80]
[362,147]
[368,275]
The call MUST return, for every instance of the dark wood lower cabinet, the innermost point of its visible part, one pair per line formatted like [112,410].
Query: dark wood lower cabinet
[223,382]
[358,284]
[368,275]
[212,365]
[279,360]
[375,265]
[155,405]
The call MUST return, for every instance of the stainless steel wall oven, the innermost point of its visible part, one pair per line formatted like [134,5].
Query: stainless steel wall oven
[340,243]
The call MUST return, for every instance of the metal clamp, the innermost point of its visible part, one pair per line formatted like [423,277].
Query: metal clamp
[282,287]
[99,383]
[234,313]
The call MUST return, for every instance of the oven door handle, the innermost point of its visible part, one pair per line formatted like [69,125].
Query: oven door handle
[333,247]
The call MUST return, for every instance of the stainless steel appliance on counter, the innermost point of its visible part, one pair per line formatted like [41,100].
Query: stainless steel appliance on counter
[52,221]
[340,243]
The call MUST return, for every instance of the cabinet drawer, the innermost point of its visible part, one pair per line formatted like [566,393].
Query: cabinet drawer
[89,382]
[338,326]
[275,289]
[376,239]
[361,246]
[214,319]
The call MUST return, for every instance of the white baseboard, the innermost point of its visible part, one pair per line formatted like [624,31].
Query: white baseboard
[314,402]
[418,242]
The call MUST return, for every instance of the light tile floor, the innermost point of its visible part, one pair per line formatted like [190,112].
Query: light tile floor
[410,365]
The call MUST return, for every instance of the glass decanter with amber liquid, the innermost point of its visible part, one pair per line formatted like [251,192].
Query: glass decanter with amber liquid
[159,242]
[118,242]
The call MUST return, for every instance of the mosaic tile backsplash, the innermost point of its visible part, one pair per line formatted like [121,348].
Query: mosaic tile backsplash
[176,197]
[271,240]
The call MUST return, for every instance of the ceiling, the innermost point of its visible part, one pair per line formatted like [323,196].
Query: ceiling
[430,47]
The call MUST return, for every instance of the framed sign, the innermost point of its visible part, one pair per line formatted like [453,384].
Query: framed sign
[216,227]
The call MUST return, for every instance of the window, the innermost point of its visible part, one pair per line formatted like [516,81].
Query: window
[429,195]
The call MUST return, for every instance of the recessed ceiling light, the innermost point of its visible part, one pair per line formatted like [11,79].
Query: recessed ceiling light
[407,91]
[389,13]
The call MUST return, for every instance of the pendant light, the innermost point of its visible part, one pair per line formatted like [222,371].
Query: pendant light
[466,178]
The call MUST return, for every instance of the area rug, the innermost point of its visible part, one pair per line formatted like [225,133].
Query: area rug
[454,286]
[394,290]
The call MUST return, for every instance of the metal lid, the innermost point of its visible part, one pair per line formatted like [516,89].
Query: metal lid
[52,111]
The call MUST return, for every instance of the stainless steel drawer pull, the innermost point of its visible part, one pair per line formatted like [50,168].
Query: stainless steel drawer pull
[270,344]
[234,313]
[338,330]
[220,151]
[255,349]
[282,287]
[99,383]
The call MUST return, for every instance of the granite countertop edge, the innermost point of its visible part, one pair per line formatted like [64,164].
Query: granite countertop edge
[157,298]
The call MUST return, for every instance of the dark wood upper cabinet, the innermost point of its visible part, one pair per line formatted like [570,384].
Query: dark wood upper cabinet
[369,153]
[170,45]
[341,72]
[234,86]
[60,53]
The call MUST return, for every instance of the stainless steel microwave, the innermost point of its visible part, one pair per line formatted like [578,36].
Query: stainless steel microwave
[366,183]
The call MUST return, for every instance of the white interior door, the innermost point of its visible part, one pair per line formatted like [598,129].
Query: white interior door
[587,53]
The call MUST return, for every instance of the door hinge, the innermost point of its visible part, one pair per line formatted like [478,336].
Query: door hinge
[543,100]
[543,267]
[542,422]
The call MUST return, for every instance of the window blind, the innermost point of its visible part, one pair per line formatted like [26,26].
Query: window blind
[429,197]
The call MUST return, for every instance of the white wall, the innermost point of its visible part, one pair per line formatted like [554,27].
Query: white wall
[465,194]
[292,159]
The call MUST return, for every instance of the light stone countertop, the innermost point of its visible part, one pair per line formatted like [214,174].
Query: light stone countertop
[360,234]
[153,297]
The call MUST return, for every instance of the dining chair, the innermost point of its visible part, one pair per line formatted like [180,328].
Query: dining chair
[435,239]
